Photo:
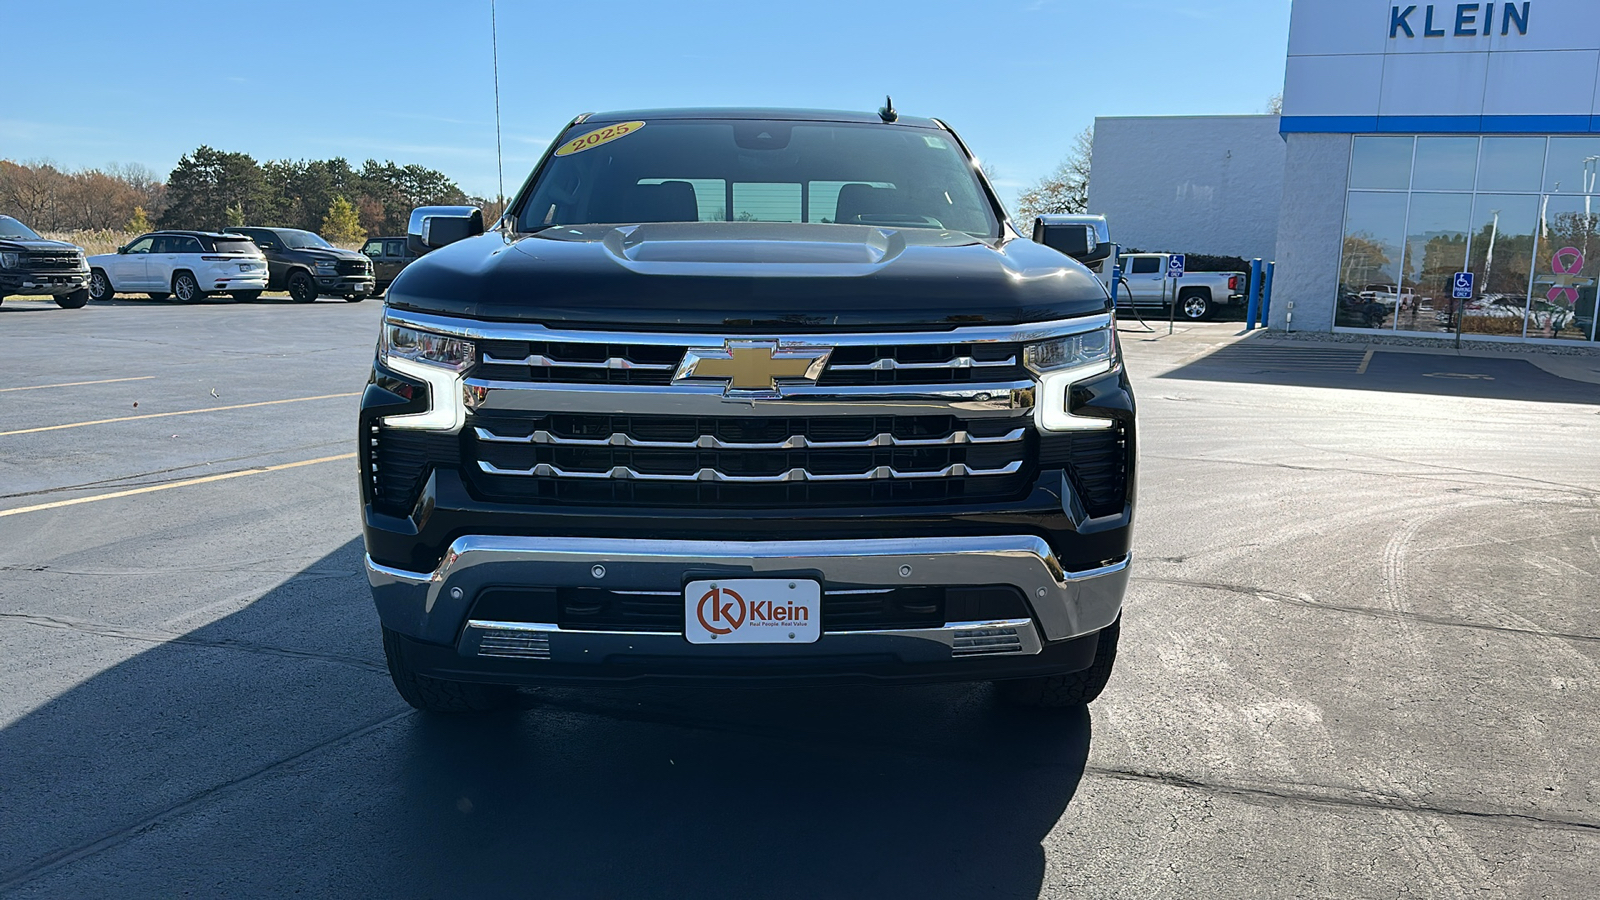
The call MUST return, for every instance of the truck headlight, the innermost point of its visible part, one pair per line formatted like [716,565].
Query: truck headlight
[398,342]
[1059,363]
[9,259]
[327,267]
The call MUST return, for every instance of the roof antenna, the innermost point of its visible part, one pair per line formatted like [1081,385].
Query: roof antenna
[886,112]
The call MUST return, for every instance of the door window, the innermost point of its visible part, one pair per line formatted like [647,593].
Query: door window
[373,249]
[397,249]
[163,244]
[142,245]
[181,243]
[1146,265]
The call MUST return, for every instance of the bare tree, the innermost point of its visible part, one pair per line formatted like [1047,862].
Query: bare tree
[1065,190]
[1275,104]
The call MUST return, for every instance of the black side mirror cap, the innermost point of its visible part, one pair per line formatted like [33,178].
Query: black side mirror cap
[433,227]
[1074,239]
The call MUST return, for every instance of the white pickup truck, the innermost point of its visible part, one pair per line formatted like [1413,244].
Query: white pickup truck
[1197,294]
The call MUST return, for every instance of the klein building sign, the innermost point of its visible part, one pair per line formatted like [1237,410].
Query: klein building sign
[1458,20]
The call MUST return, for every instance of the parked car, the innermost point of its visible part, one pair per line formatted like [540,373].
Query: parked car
[1197,294]
[1390,295]
[184,265]
[632,435]
[30,264]
[389,256]
[307,266]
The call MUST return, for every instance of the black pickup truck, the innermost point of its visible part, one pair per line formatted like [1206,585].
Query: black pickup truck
[748,396]
[307,266]
[30,264]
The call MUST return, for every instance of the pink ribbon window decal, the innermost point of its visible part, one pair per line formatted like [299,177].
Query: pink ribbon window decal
[1567,265]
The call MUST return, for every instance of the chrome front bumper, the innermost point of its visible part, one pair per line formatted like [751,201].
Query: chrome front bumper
[433,606]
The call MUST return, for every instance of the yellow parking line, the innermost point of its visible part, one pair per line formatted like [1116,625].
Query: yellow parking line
[40,387]
[182,412]
[174,484]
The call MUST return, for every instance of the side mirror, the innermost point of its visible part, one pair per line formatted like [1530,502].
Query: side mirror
[1072,238]
[123,249]
[433,227]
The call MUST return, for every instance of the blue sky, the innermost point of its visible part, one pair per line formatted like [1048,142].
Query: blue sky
[412,81]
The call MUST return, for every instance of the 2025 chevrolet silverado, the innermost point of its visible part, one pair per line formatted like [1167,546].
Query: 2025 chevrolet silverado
[754,397]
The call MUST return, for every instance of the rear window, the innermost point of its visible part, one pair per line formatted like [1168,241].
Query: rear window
[760,171]
[239,244]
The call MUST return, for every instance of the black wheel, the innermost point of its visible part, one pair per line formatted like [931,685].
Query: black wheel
[158,295]
[301,288]
[354,298]
[436,696]
[1073,689]
[1194,304]
[186,289]
[246,296]
[100,286]
[75,300]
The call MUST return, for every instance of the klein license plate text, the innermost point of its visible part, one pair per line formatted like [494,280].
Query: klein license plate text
[753,611]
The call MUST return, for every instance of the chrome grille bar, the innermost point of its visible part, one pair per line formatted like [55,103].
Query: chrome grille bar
[890,365]
[712,442]
[625,473]
[539,360]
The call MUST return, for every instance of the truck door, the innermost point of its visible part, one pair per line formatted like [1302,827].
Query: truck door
[1146,279]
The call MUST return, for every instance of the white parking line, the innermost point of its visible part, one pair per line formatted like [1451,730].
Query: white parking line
[40,387]
[181,412]
[169,486]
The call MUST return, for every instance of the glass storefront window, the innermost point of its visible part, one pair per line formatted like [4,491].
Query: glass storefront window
[1566,269]
[1369,269]
[1521,213]
[1503,230]
[1574,166]
[1381,163]
[1436,249]
[1445,164]
[1511,164]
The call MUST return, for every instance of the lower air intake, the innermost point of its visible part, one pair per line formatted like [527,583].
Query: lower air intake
[515,644]
[981,641]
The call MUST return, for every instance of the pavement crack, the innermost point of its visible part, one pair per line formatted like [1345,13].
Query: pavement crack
[107,840]
[123,632]
[1319,795]
[1371,611]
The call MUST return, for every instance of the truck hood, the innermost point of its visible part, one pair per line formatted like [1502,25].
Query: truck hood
[750,276]
[20,244]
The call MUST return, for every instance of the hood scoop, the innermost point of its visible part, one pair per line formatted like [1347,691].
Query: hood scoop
[718,244]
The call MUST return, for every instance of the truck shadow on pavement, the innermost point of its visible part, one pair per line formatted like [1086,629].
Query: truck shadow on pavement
[1343,366]
[266,754]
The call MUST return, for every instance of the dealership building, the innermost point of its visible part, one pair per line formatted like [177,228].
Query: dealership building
[1417,141]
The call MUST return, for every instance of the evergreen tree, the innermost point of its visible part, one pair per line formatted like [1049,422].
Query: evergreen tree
[342,225]
[207,182]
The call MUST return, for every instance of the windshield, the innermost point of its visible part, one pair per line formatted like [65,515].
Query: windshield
[11,228]
[303,240]
[759,171]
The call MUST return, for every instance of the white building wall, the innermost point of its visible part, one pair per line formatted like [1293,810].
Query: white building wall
[1190,184]
[1310,231]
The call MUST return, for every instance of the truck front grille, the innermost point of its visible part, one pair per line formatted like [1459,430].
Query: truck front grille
[51,261]
[734,461]
[354,267]
[554,362]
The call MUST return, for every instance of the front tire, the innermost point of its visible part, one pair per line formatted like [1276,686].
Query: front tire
[433,695]
[246,296]
[1195,304]
[75,300]
[301,288]
[186,289]
[100,286]
[1069,690]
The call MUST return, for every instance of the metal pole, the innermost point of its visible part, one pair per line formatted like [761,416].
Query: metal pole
[1266,295]
[1252,308]
[1111,267]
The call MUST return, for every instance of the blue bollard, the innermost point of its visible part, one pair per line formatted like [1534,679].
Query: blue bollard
[1116,273]
[1266,295]
[1253,306]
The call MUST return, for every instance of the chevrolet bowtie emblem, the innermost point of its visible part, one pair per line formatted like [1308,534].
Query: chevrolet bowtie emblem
[753,366]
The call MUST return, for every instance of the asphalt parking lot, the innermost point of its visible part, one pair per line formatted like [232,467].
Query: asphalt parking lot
[1360,658]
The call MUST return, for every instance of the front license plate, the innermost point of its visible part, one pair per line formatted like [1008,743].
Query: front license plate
[753,611]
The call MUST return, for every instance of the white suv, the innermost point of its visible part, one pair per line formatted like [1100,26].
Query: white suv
[186,265]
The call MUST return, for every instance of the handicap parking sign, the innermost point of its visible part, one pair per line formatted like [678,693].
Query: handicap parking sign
[1175,265]
[1461,289]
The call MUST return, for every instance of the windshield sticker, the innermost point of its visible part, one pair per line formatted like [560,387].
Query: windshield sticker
[597,137]
[936,143]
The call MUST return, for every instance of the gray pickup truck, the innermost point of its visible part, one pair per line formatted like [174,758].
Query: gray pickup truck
[30,264]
